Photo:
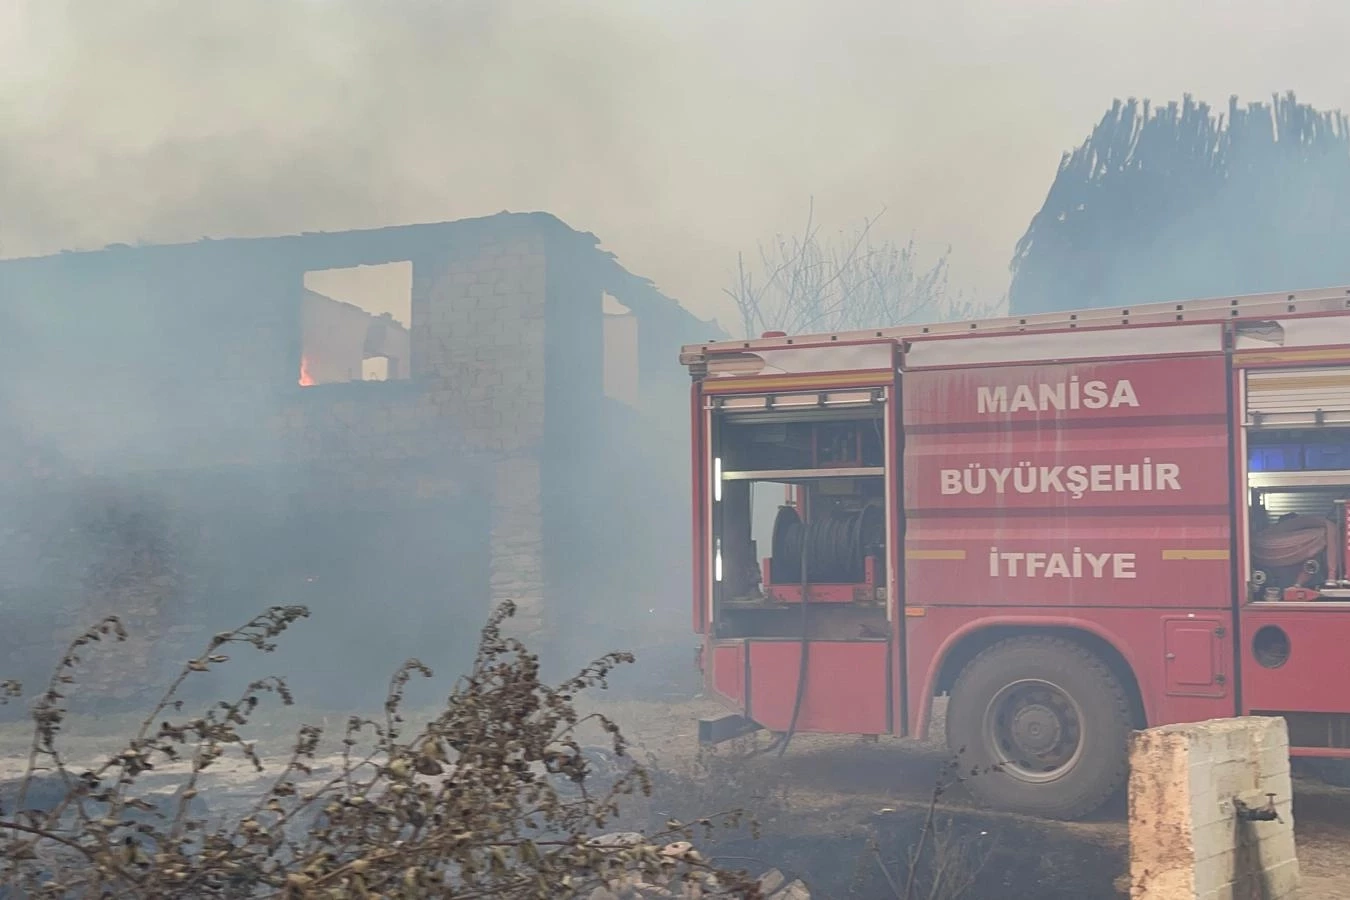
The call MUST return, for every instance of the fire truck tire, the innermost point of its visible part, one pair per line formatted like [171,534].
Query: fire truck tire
[1042,727]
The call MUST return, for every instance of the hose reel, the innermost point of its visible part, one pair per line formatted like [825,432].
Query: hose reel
[837,543]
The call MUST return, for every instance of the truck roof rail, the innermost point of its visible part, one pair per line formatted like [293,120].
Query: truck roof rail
[1253,306]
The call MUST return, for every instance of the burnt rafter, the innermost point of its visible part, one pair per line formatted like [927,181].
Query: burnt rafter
[1178,200]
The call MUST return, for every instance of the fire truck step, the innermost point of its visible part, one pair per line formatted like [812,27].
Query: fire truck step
[724,728]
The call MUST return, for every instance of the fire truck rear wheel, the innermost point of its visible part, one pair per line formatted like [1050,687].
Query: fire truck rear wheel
[1045,726]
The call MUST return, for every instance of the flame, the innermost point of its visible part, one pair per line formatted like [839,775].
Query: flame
[306,379]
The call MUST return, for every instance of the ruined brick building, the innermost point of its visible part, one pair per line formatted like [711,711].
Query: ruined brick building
[192,432]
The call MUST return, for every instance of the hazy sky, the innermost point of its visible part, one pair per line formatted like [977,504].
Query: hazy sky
[678,131]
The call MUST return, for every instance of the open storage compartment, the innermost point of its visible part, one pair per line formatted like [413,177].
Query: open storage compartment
[800,520]
[1297,439]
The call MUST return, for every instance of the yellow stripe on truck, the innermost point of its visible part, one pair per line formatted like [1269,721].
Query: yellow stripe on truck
[935,554]
[1283,356]
[1195,554]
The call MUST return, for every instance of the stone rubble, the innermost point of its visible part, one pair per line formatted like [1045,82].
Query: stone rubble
[773,885]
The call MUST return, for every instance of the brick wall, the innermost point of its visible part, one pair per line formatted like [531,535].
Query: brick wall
[1186,840]
[517,557]
[175,368]
[478,333]
[472,410]
[478,339]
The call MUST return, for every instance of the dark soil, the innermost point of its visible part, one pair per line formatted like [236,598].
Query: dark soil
[993,859]
[822,807]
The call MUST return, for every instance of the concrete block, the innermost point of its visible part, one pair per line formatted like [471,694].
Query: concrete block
[1187,783]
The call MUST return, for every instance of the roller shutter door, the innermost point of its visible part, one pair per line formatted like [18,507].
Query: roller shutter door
[1298,398]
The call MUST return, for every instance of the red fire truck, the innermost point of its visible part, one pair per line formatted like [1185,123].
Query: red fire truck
[1070,525]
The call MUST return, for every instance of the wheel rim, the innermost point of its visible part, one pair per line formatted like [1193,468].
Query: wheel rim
[1033,730]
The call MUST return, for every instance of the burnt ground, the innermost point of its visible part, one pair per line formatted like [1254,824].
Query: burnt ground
[828,796]
[841,813]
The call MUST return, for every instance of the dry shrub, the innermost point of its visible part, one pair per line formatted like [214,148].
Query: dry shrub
[492,797]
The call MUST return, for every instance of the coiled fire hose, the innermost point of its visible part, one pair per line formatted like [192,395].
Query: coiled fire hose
[1290,541]
[837,542]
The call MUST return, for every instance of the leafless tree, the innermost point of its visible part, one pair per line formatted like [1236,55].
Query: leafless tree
[847,281]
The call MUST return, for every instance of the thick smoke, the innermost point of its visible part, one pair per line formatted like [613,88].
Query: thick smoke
[680,133]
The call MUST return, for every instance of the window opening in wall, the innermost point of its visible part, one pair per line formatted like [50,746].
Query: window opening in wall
[620,352]
[376,368]
[356,324]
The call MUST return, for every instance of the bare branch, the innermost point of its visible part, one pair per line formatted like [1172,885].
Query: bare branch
[851,281]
